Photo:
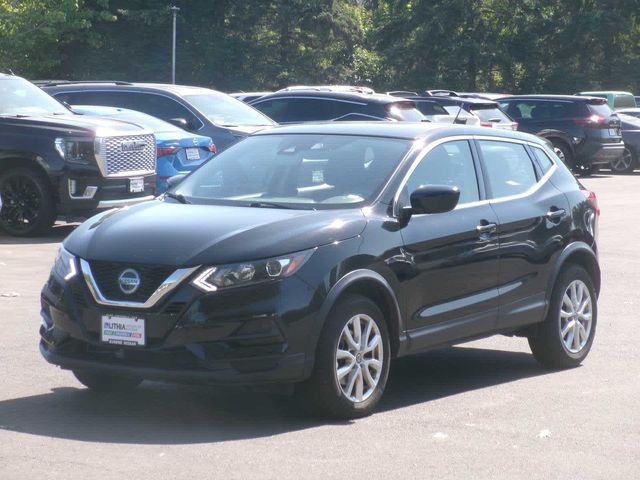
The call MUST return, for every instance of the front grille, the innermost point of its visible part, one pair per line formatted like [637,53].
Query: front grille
[130,154]
[106,276]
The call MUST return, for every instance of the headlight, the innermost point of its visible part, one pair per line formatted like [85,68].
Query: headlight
[246,273]
[65,265]
[75,151]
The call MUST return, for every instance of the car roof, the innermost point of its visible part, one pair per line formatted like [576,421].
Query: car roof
[331,94]
[453,98]
[604,92]
[572,98]
[179,90]
[629,109]
[402,130]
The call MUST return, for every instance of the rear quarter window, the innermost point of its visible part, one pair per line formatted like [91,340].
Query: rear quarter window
[543,159]
[508,168]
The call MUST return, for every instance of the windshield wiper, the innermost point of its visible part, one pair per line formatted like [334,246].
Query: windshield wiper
[271,205]
[177,196]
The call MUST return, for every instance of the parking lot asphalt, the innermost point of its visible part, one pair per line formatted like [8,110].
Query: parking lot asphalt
[482,410]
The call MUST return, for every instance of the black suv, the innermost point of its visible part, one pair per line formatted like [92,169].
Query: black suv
[585,133]
[54,163]
[307,104]
[313,254]
[195,109]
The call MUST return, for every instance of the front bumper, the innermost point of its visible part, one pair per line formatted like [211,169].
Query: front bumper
[82,192]
[240,337]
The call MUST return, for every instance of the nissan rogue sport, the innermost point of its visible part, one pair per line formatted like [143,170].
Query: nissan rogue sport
[314,254]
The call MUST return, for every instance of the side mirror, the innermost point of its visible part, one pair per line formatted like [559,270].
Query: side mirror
[182,123]
[175,180]
[434,199]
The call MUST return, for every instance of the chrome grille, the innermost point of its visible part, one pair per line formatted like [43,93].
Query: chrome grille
[127,155]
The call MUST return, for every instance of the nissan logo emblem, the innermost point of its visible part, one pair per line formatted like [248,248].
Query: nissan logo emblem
[129,281]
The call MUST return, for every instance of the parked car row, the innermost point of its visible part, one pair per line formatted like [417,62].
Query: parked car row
[42,182]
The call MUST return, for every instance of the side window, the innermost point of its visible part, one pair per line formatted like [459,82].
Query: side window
[509,170]
[448,164]
[157,106]
[310,109]
[543,160]
[274,109]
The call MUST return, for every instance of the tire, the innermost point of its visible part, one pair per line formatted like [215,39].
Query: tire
[28,208]
[624,164]
[100,382]
[550,347]
[563,152]
[324,394]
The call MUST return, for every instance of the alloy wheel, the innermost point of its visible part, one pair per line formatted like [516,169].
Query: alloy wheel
[359,358]
[21,202]
[622,163]
[576,313]
[560,154]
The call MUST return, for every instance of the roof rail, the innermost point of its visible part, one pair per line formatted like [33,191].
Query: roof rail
[402,93]
[329,88]
[53,83]
[440,93]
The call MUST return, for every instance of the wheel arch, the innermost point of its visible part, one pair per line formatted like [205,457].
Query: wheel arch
[376,288]
[23,160]
[581,254]
[550,134]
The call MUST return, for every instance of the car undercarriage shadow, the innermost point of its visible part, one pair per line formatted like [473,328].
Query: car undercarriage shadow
[159,413]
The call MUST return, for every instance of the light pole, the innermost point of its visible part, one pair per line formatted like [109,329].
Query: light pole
[174,12]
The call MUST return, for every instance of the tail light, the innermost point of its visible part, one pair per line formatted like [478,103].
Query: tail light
[514,125]
[592,120]
[486,124]
[162,151]
[592,200]
[212,148]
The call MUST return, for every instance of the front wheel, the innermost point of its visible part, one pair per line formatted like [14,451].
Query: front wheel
[28,207]
[624,164]
[352,361]
[101,382]
[564,339]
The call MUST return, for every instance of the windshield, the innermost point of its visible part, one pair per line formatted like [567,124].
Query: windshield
[489,114]
[296,171]
[226,111]
[19,97]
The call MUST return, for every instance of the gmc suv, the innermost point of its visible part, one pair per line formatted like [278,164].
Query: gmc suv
[54,163]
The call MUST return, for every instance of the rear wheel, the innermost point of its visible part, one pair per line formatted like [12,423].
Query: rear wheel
[564,339]
[100,382]
[28,207]
[625,163]
[352,361]
[563,152]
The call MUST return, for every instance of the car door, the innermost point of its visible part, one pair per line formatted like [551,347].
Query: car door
[450,289]
[533,217]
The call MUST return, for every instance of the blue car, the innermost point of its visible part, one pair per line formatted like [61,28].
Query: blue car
[179,152]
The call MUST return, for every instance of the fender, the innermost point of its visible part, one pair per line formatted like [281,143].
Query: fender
[22,158]
[583,249]
[549,132]
[340,287]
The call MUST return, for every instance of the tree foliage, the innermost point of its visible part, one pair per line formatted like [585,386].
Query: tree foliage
[493,45]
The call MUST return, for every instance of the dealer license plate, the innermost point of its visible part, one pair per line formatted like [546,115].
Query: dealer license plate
[119,330]
[136,185]
[193,154]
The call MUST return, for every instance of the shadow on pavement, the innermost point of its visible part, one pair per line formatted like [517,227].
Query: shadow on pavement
[171,414]
[57,234]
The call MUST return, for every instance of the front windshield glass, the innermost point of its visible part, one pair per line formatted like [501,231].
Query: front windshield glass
[19,97]
[226,111]
[296,171]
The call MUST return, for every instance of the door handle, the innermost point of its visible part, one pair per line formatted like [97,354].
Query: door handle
[486,228]
[555,213]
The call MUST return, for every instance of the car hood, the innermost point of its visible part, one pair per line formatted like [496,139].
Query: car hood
[167,233]
[77,124]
